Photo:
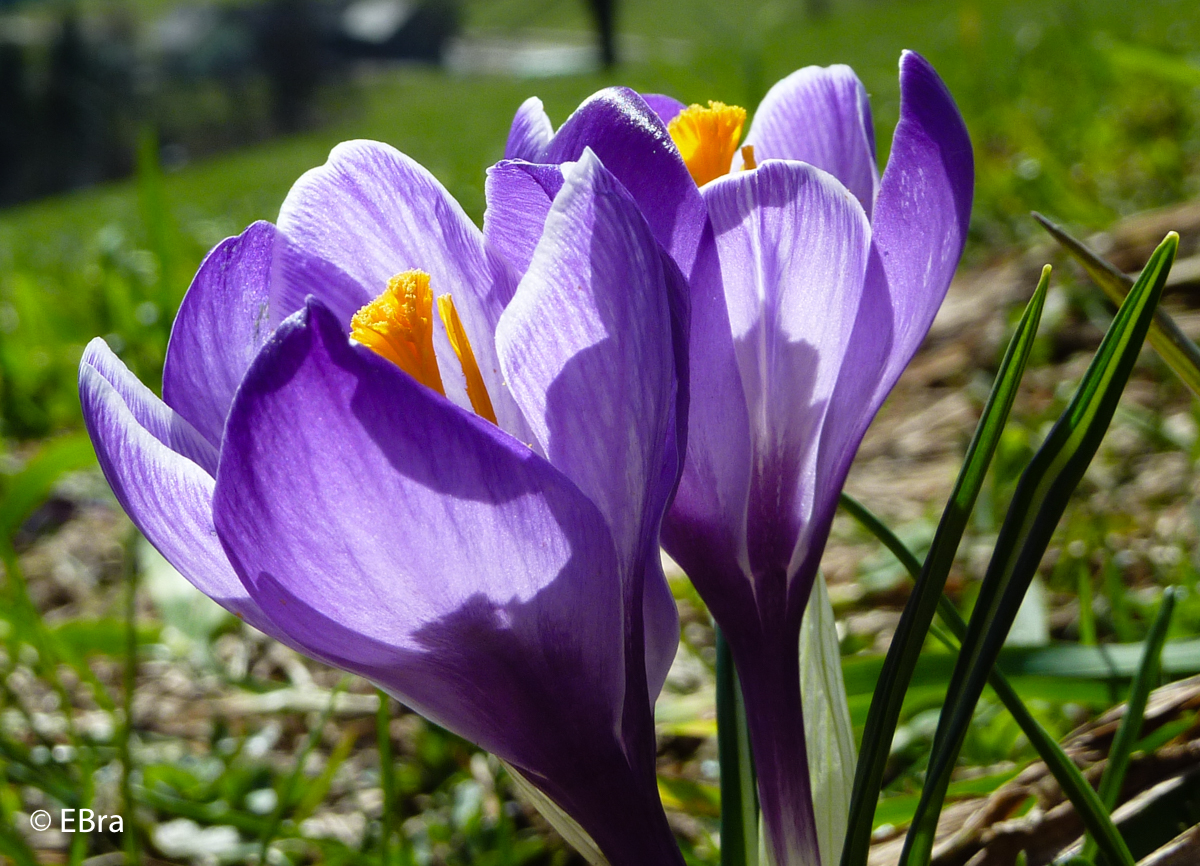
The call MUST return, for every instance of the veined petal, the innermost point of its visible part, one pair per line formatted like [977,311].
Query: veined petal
[919,228]
[705,529]
[143,448]
[245,287]
[388,530]
[588,346]
[519,195]
[793,245]
[666,107]
[924,207]
[374,213]
[146,410]
[820,115]
[530,132]
[631,141]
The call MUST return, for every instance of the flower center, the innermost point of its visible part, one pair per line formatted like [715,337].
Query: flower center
[399,326]
[707,139]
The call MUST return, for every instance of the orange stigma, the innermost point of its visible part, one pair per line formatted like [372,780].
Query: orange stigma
[399,326]
[707,138]
[476,390]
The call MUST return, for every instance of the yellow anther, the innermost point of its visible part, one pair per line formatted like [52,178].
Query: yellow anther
[476,390]
[399,326]
[707,138]
[748,163]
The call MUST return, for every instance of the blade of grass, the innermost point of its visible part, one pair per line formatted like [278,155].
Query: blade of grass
[927,595]
[1135,710]
[1087,614]
[12,845]
[387,777]
[1038,502]
[1172,345]
[1074,786]
[739,792]
[131,837]
[271,829]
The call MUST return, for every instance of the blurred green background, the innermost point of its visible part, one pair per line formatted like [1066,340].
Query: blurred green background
[1083,110]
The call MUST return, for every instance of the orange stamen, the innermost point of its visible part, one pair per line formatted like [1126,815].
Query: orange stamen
[399,326]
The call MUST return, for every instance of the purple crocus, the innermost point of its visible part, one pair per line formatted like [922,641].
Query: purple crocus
[812,284]
[462,507]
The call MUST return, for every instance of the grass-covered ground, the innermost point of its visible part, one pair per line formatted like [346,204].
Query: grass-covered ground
[1084,110]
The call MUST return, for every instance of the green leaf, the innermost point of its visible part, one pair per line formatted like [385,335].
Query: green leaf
[1135,710]
[739,792]
[927,594]
[1038,502]
[1085,800]
[1166,338]
[828,733]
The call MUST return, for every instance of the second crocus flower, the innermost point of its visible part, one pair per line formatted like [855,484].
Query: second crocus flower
[812,284]
[818,288]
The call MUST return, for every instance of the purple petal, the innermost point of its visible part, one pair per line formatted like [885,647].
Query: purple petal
[373,212]
[666,107]
[146,452]
[519,195]
[793,245]
[633,143]
[924,206]
[470,579]
[920,227]
[588,348]
[407,540]
[245,287]
[705,530]
[820,116]
[150,414]
[531,131]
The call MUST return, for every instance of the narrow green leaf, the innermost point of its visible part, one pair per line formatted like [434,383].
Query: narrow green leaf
[1172,345]
[1074,786]
[739,792]
[927,594]
[1135,710]
[828,730]
[1039,501]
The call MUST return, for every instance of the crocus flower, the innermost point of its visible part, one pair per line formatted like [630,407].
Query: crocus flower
[812,284]
[461,505]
